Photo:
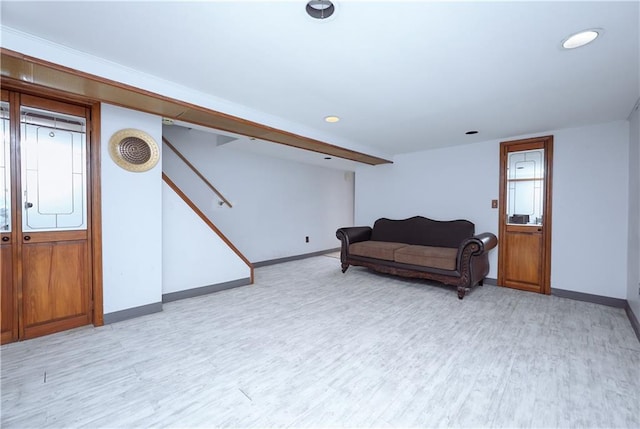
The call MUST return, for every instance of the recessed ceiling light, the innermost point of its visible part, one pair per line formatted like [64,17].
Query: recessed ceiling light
[471,132]
[580,39]
[331,119]
[320,9]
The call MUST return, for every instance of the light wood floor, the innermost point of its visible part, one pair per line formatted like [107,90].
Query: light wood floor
[308,346]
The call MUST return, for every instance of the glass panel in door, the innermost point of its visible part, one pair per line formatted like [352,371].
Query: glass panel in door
[525,187]
[5,171]
[53,171]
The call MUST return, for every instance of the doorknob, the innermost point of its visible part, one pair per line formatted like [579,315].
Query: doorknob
[27,237]
[28,205]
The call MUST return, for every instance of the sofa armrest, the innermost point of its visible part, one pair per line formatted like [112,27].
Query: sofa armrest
[354,234]
[489,241]
[473,256]
[480,243]
[350,235]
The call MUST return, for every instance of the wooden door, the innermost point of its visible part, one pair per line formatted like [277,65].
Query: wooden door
[524,256]
[53,212]
[55,277]
[8,297]
[46,258]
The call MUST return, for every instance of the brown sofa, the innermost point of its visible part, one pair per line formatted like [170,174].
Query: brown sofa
[445,251]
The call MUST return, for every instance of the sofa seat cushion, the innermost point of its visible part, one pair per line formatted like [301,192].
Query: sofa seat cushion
[427,256]
[375,249]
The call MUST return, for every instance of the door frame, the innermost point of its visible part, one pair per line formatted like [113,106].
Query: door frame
[13,334]
[520,145]
[94,228]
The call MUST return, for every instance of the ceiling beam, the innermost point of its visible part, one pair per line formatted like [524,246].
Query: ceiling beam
[29,72]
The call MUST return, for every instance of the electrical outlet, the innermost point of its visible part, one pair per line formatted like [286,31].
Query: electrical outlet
[306,239]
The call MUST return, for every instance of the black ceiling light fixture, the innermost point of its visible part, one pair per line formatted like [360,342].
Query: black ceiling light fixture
[320,9]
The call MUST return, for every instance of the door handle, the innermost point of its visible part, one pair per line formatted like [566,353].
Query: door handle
[5,239]
[28,205]
[27,237]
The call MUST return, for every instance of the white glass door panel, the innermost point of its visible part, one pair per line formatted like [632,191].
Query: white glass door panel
[5,171]
[53,171]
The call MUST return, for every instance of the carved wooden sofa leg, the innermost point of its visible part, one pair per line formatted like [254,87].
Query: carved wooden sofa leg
[344,266]
[461,291]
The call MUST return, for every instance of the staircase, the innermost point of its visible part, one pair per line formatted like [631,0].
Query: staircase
[197,258]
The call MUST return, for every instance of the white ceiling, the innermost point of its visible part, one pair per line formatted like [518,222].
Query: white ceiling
[403,76]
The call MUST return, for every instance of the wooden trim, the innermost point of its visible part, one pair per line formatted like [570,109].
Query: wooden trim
[11,332]
[206,220]
[548,191]
[46,236]
[502,215]
[16,203]
[56,326]
[196,171]
[514,227]
[96,215]
[38,102]
[27,88]
[525,144]
[89,197]
[14,128]
[29,73]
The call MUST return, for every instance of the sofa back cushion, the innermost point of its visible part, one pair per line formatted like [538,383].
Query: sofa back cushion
[422,231]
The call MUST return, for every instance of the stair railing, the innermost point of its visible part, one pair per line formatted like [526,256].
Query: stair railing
[208,222]
[223,200]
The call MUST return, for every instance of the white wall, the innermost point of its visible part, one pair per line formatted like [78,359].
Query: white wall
[633,278]
[193,255]
[442,184]
[590,197]
[590,209]
[276,203]
[131,219]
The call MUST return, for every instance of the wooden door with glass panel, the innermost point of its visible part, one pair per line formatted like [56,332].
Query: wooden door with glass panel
[49,245]
[56,293]
[8,297]
[524,256]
